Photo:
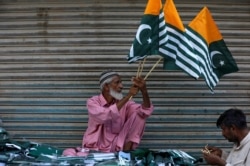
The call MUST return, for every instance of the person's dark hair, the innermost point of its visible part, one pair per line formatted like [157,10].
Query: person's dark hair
[232,117]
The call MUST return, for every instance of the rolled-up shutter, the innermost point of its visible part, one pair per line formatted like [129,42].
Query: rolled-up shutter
[52,52]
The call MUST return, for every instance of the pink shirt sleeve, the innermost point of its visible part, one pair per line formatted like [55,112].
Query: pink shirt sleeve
[143,112]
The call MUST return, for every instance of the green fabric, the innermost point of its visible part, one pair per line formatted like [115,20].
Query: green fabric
[31,152]
[148,36]
[26,149]
[37,150]
[4,135]
[146,157]
[139,153]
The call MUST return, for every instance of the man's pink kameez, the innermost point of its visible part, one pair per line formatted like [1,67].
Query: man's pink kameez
[108,129]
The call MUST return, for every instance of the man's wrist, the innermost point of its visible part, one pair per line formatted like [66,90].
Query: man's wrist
[144,91]
[224,163]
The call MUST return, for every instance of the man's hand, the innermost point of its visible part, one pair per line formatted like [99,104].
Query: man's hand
[213,159]
[214,150]
[212,155]
[139,82]
[133,90]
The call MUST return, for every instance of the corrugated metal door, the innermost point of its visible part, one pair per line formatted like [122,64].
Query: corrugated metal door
[52,52]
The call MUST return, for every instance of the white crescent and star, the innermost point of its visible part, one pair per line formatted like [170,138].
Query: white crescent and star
[140,29]
[212,54]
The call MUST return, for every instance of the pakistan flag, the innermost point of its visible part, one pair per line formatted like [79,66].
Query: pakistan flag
[215,59]
[150,33]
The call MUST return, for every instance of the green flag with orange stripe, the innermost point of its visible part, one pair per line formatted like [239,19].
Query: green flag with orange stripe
[215,59]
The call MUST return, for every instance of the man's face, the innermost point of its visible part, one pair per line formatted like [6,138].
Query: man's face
[228,133]
[115,88]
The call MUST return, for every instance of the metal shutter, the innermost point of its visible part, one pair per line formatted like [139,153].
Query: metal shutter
[52,52]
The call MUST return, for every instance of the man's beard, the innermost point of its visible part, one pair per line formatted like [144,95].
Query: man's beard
[116,95]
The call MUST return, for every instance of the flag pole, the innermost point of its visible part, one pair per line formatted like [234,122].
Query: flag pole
[150,71]
[138,70]
[142,66]
[153,68]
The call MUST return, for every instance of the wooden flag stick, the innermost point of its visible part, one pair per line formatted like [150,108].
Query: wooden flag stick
[153,68]
[142,66]
[137,74]
[149,71]
[138,70]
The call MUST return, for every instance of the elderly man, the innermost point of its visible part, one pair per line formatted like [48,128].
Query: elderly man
[234,128]
[115,122]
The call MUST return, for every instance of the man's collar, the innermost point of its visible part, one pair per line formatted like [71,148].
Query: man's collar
[244,141]
[103,100]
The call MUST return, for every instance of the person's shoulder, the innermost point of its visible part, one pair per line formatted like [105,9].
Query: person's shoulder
[96,98]
[248,137]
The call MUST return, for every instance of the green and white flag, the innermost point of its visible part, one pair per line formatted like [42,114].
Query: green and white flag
[150,33]
[178,50]
[215,60]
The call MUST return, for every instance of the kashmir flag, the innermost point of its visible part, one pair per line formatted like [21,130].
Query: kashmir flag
[150,34]
[214,57]
[178,49]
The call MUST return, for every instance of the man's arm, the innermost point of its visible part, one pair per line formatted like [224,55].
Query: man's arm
[138,84]
[141,84]
[214,159]
[132,92]
[214,156]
